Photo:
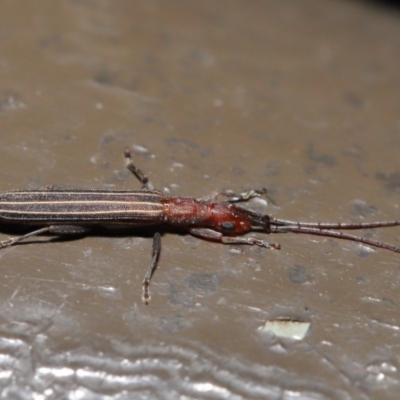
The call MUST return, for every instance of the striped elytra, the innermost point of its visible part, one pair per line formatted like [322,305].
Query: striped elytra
[59,205]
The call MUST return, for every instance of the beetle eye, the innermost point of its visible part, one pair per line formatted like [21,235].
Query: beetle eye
[228,226]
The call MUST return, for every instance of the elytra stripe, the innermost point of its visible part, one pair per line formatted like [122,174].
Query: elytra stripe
[80,212]
[152,196]
[81,202]
[87,191]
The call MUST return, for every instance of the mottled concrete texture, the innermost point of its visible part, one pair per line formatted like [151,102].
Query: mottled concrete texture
[301,97]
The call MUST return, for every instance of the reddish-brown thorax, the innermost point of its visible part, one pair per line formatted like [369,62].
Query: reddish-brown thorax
[222,217]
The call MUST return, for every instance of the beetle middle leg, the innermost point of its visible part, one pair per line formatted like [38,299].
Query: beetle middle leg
[155,255]
[143,178]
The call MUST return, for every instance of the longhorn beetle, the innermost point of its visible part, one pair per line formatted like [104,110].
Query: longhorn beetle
[65,212]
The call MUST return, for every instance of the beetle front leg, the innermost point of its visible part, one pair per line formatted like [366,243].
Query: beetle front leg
[209,234]
[233,197]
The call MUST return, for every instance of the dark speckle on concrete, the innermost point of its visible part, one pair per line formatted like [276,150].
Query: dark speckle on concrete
[298,274]
[391,180]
